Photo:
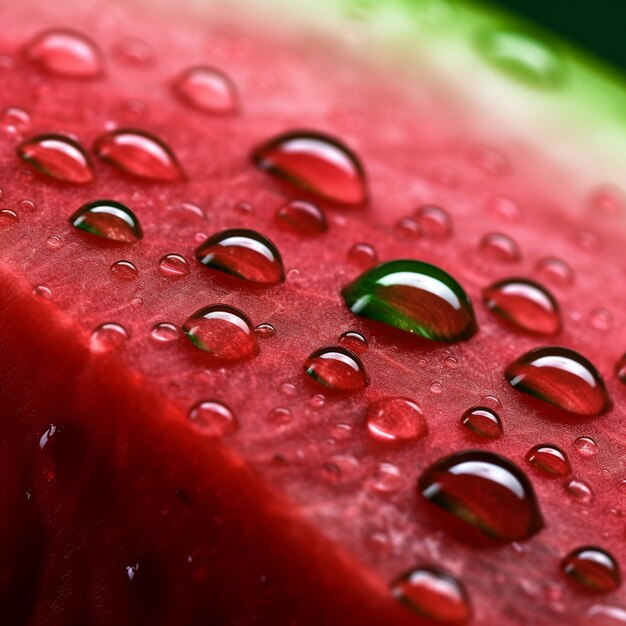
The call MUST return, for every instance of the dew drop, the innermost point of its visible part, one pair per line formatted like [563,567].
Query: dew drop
[601,615]
[65,53]
[280,416]
[164,332]
[524,303]
[222,331]
[108,219]
[207,89]
[434,221]
[54,242]
[434,594]
[336,368]
[25,205]
[245,254]
[436,388]
[386,479]
[139,153]
[363,254]
[212,419]
[353,341]
[414,296]
[489,160]
[408,227]
[288,389]
[561,377]
[124,270]
[42,291]
[8,218]
[586,447]
[134,52]
[316,163]
[499,247]
[483,422]
[15,117]
[601,319]
[57,156]
[108,337]
[608,199]
[173,266]
[556,271]
[549,460]
[579,491]
[264,330]
[620,369]
[505,207]
[484,490]
[588,241]
[451,362]
[304,218]
[396,419]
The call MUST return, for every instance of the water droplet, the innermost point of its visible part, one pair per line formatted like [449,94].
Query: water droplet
[608,199]
[434,221]
[243,253]
[524,56]
[413,296]
[42,291]
[594,568]
[620,369]
[524,303]
[556,271]
[599,615]
[164,332]
[25,206]
[173,266]
[108,337]
[489,160]
[57,156]
[436,388]
[387,479]
[287,389]
[125,270]
[304,218]
[363,254]
[483,422]
[601,319]
[434,594]
[108,219]
[222,331]
[560,377]
[579,491]
[586,447]
[139,153]
[280,416]
[549,460]
[484,490]
[396,420]
[264,330]
[451,362]
[408,227]
[54,242]
[212,419]
[588,241]
[134,52]
[499,247]
[336,368]
[316,163]
[8,218]
[207,89]
[65,53]
[15,117]
[353,341]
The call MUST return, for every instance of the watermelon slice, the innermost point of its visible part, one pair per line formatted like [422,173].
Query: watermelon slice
[309,315]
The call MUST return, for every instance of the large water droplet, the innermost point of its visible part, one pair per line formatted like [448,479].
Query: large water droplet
[549,460]
[243,253]
[413,296]
[304,218]
[396,419]
[212,419]
[592,568]
[436,595]
[57,156]
[207,89]
[484,490]
[524,56]
[108,337]
[108,219]
[561,377]
[336,368]
[316,163]
[524,303]
[65,53]
[139,153]
[223,331]
[482,422]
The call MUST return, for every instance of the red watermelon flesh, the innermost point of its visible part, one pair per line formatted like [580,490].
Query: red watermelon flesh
[124,513]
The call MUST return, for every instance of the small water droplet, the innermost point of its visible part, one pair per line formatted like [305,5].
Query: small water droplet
[65,53]
[108,219]
[601,319]
[42,291]
[164,332]
[280,416]
[386,479]
[124,270]
[336,368]
[353,341]
[414,296]
[483,422]
[222,331]
[484,490]
[139,153]
[396,419]
[434,221]
[341,431]
[264,330]
[505,207]
[54,242]
[436,388]
[134,52]
[433,594]
[605,615]
[620,369]
[208,90]
[27,206]
[408,227]
[524,303]
[304,218]
[489,160]
[340,468]
[579,491]
[108,337]
[608,199]
[588,241]
[316,163]
[212,419]
[173,266]
[15,117]
[561,377]
[556,271]
[586,447]
[549,460]
[288,389]
[363,254]
[8,218]
[243,253]
[499,247]
[451,362]
[57,156]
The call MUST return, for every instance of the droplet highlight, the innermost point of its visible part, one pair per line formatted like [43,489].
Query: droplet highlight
[354,341]
[593,568]
[336,368]
[108,219]
[482,422]
[499,247]
[164,332]
[108,337]
[212,419]
[549,460]
[396,420]
[208,90]
[303,218]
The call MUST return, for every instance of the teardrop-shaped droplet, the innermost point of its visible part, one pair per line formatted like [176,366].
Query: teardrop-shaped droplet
[363,254]
[8,218]
[586,447]
[304,218]
[124,270]
[436,595]
[208,90]
[434,221]
[413,296]
[353,341]
[223,331]
[524,56]
[499,247]
[108,337]
[243,253]
[484,490]
[593,568]
[336,368]
[316,163]
[561,377]
[164,332]
[57,156]
[549,460]
[620,369]
[65,53]
[212,419]
[139,153]
[173,266]
[556,271]
[395,420]
[108,219]
[524,303]
[482,422]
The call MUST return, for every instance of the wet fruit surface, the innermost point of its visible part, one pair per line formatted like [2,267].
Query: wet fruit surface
[109,220]
[336,368]
[593,568]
